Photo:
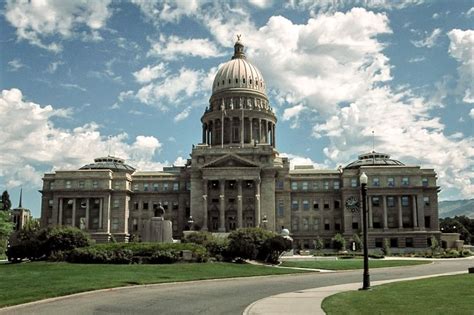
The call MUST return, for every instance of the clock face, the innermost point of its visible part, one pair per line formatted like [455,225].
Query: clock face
[352,204]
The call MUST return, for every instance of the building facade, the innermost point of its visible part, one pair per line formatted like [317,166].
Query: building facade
[236,178]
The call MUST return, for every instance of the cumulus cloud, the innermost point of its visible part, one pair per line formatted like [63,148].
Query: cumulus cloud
[150,73]
[301,160]
[429,41]
[471,113]
[41,22]
[183,115]
[167,10]
[262,4]
[460,48]
[173,47]
[33,144]
[322,6]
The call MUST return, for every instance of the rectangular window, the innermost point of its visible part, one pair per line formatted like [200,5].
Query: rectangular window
[376,201]
[281,208]
[135,187]
[315,205]
[68,184]
[337,184]
[424,182]
[376,222]
[379,242]
[326,205]
[426,200]
[81,184]
[294,205]
[117,185]
[305,205]
[295,224]
[175,205]
[135,205]
[405,181]
[294,185]
[116,203]
[353,182]
[394,242]
[391,182]
[405,201]
[51,185]
[165,205]
[315,185]
[175,186]
[428,221]
[279,184]
[391,202]
[327,225]
[326,185]
[165,186]
[337,204]
[145,187]
[337,225]
[409,242]
[375,182]
[115,224]
[95,184]
[145,206]
[315,224]
[156,187]
[188,186]
[50,203]
[304,185]
[355,225]
[305,224]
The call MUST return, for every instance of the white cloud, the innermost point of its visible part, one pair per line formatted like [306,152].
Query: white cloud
[460,48]
[32,144]
[404,129]
[150,73]
[172,47]
[322,6]
[40,21]
[416,59]
[470,12]
[301,160]
[125,95]
[183,115]
[180,161]
[471,113]
[15,65]
[167,10]
[53,66]
[262,4]
[73,86]
[429,41]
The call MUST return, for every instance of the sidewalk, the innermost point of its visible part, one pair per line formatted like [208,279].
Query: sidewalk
[309,301]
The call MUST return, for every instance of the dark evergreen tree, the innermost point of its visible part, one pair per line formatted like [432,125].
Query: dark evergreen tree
[6,202]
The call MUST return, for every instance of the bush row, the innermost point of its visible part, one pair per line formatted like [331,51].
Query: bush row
[129,253]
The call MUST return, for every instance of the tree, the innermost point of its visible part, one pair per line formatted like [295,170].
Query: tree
[318,243]
[6,228]
[454,225]
[338,242]
[6,202]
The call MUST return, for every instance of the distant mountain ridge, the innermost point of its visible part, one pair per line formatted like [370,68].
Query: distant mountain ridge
[452,208]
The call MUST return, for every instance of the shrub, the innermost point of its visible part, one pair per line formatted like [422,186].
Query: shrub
[338,242]
[201,238]
[386,250]
[216,246]
[37,244]
[273,247]
[128,253]
[246,243]
[318,243]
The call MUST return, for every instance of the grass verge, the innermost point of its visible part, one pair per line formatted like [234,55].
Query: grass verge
[26,282]
[440,295]
[347,264]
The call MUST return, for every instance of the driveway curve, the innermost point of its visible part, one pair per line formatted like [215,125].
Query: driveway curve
[225,296]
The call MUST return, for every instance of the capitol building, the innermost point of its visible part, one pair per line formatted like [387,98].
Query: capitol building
[236,178]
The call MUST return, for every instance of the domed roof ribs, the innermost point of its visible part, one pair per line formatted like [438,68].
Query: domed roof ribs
[238,49]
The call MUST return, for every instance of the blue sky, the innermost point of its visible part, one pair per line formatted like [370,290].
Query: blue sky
[80,79]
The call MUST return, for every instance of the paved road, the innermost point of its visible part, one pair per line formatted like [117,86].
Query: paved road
[219,296]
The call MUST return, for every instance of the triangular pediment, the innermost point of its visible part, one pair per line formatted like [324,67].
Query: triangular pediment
[231,160]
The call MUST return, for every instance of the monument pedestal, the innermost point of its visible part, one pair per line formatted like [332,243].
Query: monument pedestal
[157,229]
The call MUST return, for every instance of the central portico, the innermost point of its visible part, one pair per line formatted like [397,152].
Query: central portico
[237,156]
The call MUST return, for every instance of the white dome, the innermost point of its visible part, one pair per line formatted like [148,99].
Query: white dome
[238,73]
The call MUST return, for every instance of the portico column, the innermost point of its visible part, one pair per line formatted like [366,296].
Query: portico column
[415,219]
[400,213]
[259,131]
[73,212]
[239,204]
[61,201]
[251,129]
[222,206]
[371,219]
[87,213]
[385,216]
[242,129]
[101,209]
[204,205]
[257,202]
[203,133]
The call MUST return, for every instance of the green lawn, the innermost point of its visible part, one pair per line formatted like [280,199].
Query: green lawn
[20,283]
[347,264]
[441,295]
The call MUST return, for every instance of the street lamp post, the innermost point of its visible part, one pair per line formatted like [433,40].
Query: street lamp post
[363,187]
[190,223]
[264,222]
